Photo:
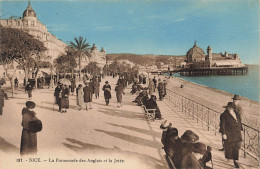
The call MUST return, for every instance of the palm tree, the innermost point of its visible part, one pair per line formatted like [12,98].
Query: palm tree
[81,46]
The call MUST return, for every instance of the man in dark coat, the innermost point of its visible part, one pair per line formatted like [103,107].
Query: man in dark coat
[155,83]
[29,138]
[3,96]
[57,94]
[88,92]
[29,89]
[107,92]
[230,128]
[65,92]
[238,108]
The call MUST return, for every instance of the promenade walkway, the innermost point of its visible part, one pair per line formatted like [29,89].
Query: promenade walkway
[103,137]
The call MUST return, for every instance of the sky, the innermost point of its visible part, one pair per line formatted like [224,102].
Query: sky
[165,27]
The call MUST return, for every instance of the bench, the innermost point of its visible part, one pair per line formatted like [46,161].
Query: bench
[149,113]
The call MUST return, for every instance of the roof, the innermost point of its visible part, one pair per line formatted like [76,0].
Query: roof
[228,62]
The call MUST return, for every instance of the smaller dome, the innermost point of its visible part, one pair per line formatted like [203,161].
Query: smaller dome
[94,47]
[102,50]
[194,49]
[29,12]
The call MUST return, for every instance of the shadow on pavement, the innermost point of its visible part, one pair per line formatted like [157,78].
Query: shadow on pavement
[147,132]
[7,147]
[86,147]
[122,113]
[133,139]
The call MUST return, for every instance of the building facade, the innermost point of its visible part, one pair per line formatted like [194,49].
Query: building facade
[197,59]
[30,24]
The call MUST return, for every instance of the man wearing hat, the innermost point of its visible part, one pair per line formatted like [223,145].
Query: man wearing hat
[238,108]
[107,92]
[230,128]
[29,138]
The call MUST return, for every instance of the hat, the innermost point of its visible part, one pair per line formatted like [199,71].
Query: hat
[189,136]
[30,104]
[236,97]
[230,104]
[172,131]
[199,147]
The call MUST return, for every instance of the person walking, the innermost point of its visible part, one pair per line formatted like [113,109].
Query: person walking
[238,108]
[119,93]
[72,86]
[155,83]
[80,96]
[107,92]
[230,128]
[29,138]
[65,92]
[151,87]
[160,89]
[164,87]
[96,88]
[88,92]
[3,96]
[29,89]
[16,82]
[57,95]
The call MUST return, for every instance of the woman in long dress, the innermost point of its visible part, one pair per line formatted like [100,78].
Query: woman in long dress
[80,97]
[119,94]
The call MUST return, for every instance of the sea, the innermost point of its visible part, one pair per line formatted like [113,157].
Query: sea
[244,85]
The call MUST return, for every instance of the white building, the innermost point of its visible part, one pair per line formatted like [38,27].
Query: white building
[30,24]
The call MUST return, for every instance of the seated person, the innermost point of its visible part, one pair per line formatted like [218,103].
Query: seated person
[139,86]
[134,88]
[151,104]
[184,151]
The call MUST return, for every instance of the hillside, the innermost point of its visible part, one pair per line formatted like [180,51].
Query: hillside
[146,60]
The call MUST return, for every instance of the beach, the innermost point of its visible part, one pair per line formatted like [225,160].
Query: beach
[214,98]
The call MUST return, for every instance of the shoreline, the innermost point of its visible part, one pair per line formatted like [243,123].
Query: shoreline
[214,98]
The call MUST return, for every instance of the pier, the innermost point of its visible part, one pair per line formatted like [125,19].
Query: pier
[204,72]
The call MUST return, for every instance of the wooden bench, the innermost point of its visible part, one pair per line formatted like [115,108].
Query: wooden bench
[149,113]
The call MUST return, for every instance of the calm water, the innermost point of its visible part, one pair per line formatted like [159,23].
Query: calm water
[244,85]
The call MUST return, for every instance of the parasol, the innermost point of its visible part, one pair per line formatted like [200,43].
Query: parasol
[65,81]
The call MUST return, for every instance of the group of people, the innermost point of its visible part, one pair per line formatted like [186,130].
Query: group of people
[231,128]
[183,151]
[84,94]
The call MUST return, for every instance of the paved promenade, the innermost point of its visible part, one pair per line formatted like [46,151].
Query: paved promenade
[103,137]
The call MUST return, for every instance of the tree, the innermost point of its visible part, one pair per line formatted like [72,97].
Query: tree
[66,63]
[19,46]
[92,68]
[81,47]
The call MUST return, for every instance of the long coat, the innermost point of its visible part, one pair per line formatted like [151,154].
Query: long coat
[96,87]
[29,138]
[57,95]
[80,97]
[232,128]
[107,91]
[2,96]
[65,97]
[119,93]
[151,87]
[88,92]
